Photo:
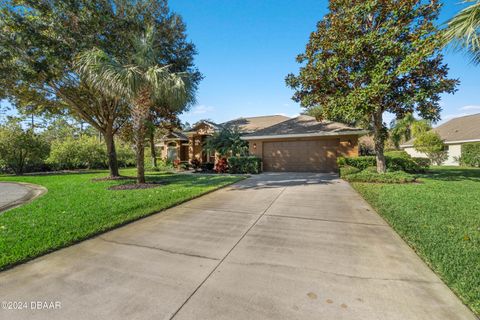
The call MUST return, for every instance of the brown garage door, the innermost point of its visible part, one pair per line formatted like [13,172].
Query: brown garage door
[306,156]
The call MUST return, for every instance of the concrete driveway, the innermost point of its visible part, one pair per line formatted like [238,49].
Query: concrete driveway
[13,194]
[276,246]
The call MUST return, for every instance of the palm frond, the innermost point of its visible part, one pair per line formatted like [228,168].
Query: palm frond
[107,75]
[463,29]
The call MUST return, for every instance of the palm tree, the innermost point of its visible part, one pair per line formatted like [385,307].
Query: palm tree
[463,30]
[407,128]
[141,82]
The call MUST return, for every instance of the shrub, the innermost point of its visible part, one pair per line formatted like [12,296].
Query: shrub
[250,164]
[21,150]
[357,162]
[374,177]
[221,166]
[470,154]
[125,155]
[346,170]
[397,154]
[82,153]
[396,161]
[423,163]
[207,166]
[195,164]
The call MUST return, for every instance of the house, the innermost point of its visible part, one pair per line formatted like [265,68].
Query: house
[455,133]
[188,145]
[304,144]
[283,144]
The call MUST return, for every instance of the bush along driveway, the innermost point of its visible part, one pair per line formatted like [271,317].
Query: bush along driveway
[440,219]
[76,207]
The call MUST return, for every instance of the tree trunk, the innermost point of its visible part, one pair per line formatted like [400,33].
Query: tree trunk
[379,139]
[152,148]
[111,153]
[139,117]
[140,161]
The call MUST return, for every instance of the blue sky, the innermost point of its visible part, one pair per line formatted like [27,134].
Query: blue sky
[247,47]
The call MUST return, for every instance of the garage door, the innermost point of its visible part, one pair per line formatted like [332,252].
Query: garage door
[306,156]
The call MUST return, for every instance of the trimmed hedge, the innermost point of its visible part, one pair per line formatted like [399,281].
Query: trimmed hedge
[250,164]
[374,177]
[346,170]
[471,154]
[395,162]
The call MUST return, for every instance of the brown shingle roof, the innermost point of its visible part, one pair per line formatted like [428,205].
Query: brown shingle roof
[459,129]
[306,126]
[252,124]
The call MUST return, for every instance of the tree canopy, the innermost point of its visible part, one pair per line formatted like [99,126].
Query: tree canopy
[368,57]
[39,40]
[141,82]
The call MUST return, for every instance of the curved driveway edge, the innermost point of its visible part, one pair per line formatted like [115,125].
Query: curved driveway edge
[14,194]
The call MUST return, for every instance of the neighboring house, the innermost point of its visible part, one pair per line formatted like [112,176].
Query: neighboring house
[455,133]
[304,144]
[188,145]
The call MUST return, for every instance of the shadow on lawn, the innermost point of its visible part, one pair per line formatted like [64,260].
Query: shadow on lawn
[158,179]
[454,174]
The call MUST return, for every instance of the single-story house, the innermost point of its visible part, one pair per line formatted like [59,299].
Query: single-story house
[188,145]
[455,133]
[304,144]
[283,144]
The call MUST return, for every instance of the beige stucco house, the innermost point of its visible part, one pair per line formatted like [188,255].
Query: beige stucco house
[188,145]
[283,144]
[304,144]
[455,133]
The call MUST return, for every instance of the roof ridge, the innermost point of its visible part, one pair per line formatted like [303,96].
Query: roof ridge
[465,116]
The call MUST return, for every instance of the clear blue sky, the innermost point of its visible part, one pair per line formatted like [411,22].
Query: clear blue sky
[247,47]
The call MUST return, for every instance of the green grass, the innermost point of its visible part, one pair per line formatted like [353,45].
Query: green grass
[440,219]
[76,208]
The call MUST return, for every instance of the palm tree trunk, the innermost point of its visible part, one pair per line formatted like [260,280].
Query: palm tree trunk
[140,113]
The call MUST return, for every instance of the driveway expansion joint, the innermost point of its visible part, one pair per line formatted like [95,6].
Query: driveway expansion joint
[328,220]
[228,253]
[222,210]
[344,275]
[158,249]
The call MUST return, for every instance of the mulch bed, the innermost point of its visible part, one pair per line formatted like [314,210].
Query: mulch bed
[137,186]
[113,178]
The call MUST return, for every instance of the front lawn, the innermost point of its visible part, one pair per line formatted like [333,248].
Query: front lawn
[76,208]
[440,219]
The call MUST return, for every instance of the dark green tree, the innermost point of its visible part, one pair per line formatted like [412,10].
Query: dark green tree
[21,149]
[368,57]
[39,40]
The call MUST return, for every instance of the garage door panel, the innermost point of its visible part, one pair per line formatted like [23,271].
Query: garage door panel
[313,155]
